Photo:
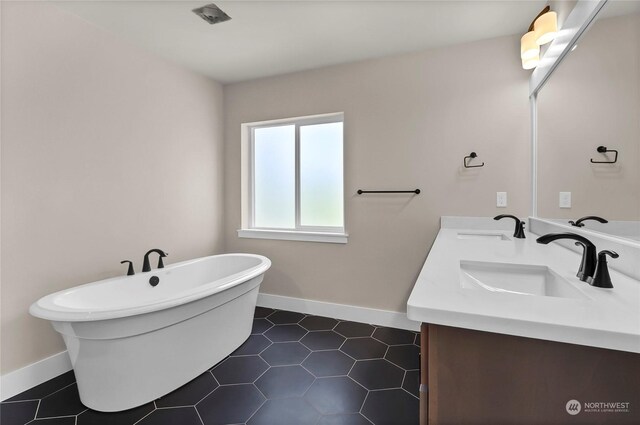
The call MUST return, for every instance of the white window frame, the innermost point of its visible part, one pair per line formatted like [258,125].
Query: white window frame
[300,232]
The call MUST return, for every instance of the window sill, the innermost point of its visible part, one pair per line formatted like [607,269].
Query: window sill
[292,235]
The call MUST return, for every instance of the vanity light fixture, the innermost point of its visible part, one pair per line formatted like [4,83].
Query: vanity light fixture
[542,30]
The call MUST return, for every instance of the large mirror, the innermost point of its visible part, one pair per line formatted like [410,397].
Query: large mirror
[592,102]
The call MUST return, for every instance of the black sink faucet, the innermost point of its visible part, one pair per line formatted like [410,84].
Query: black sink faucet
[519,229]
[589,259]
[579,222]
[146,267]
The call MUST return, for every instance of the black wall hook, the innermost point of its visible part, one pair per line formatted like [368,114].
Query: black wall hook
[471,156]
[603,149]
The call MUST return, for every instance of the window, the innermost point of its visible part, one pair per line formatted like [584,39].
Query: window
[293,179]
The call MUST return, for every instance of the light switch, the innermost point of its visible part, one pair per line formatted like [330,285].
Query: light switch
[501,199]
[565,200]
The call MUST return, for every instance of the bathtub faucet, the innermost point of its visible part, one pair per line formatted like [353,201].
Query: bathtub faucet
[146,267]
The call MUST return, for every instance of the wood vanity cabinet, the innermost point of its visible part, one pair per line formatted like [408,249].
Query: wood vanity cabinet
[476,377]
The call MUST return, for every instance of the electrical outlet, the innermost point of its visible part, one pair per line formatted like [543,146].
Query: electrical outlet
[565,200]
[501,199]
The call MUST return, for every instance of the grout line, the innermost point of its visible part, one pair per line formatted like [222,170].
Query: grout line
[307,390]
[365,418]
[243,355]
[176,407]
[198,413]
[372,359]
[363,403]
[265,371]
[265,348]
[312,374]
[139,420]
[35,415]
[325,349]
[57,391]
[235,384]
[20,401]
[303,360]
[259,407]
[377,390]
[358,383]
[343,342]
[263,394]
[380,341]
[410,393]
[352,366]
[56,417]
[209,393]
[350,356]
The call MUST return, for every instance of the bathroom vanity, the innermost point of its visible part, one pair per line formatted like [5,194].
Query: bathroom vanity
[511,335]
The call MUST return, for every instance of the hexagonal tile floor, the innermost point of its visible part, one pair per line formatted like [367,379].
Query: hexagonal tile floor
[294,369]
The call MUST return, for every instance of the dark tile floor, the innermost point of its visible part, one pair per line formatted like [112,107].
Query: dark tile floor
[293,370]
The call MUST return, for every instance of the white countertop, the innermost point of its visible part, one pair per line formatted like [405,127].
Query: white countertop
[607,318]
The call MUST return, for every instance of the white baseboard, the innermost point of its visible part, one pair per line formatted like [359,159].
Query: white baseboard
[353,313]
[20,380]
[34,374]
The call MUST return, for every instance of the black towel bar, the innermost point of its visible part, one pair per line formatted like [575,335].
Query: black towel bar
[416,191]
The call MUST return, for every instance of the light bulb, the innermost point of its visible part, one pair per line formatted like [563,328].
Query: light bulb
[531,63]
[545,28]
[528,46]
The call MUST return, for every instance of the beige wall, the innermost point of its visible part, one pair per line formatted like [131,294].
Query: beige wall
[107,151]
[593,99]
[409,121]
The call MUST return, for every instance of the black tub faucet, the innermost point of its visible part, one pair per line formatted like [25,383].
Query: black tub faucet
[146,267]
[579,222]
[601,277]
[519,229]
[130,271]
[588,263]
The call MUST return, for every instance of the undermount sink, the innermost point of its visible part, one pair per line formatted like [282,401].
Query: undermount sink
[517,279]
[483,236]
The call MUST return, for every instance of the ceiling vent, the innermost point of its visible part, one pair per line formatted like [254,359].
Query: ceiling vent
[211,13]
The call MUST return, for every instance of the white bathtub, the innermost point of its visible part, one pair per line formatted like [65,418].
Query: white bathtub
[130,342]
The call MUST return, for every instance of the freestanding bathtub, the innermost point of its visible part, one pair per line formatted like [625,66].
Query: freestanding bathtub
[130,342]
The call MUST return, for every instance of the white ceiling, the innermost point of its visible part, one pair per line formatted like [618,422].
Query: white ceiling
[276,37]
